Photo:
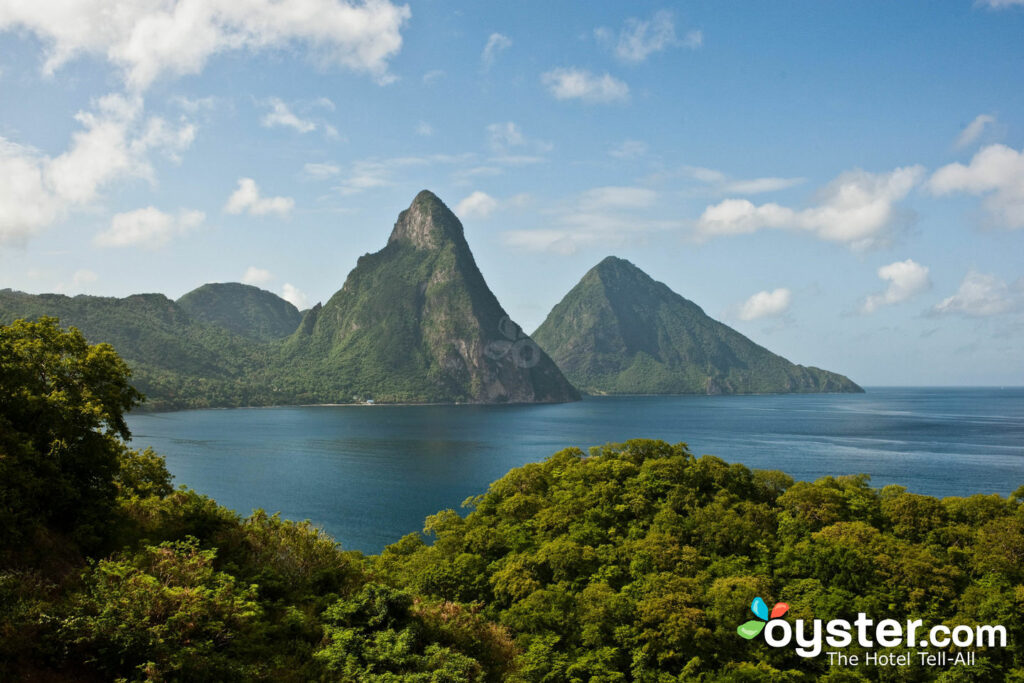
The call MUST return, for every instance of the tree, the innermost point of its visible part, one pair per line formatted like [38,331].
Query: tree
[62,425]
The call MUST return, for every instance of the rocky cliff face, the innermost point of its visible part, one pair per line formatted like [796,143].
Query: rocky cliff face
[417,322]
[620,332]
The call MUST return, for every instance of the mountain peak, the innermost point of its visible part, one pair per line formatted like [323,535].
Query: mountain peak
[620,331]
[427,223]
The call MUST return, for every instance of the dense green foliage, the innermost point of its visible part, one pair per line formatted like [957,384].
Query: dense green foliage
[633,563]
[639,561]
[245,310]
[414,322]
[620,332]
[107,573]
[176,360]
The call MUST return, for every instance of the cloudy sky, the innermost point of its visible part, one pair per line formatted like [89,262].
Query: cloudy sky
[842,182]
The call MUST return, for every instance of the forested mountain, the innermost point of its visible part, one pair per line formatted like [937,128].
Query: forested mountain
[416,322]
[177,361]
[618,331]
[247,311]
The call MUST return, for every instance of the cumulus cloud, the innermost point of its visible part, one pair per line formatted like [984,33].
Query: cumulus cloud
[906,280]
[495,43]
[476,205]
[973,130]
[294,295]
[995,172]
[257,276]
[579,84]
[115,142]
[149,228]
[147,40]
[856,209]
[247,199]
[640,38]
[766,304]
[981,295]
[281,115]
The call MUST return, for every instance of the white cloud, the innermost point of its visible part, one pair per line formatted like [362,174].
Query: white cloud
[906,280]
[629,149]
[580,84]
[511,147]
[996,171]
[477,205]
[495,43]
[1000,4]
[425,129]
[321,171]
[153,38]
[281,115]
[766,304]
[247,199]
[257,276]
[856,209]
[603,216]
[973,130]
[640,38]
[982,295]
[722,183]
[294,295]
[149,228]
[113,143]
[612,197]
[503,136]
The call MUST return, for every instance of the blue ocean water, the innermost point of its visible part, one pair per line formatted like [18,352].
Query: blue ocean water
[371,474]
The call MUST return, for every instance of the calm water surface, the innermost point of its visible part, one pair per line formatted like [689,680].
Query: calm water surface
[369,475]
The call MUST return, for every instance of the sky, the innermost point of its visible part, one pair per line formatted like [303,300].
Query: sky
[842,182]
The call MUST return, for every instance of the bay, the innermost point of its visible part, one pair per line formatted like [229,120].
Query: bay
[370,474]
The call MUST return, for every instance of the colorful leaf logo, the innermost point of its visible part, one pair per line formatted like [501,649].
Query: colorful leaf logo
[750,629]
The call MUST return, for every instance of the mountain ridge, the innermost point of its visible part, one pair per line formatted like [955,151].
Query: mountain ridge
[619,331]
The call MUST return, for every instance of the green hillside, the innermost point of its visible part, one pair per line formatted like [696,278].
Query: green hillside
[177,361]
[416,322]
[245,310]
[620,332]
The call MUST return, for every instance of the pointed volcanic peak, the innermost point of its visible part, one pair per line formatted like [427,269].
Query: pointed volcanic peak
[618,331]
[248,311]
[416,322]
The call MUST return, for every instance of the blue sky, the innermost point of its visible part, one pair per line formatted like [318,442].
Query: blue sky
[842,182]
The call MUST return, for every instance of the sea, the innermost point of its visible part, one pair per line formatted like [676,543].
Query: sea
[368,475]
